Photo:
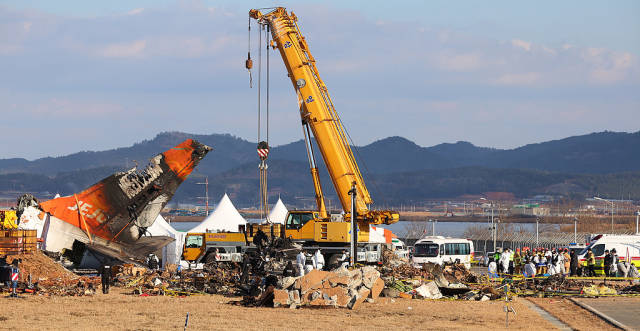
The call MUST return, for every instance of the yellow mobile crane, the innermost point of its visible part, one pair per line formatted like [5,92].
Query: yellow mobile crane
[314,229]
[319,116]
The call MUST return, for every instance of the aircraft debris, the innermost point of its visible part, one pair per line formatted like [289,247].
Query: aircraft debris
[111,216]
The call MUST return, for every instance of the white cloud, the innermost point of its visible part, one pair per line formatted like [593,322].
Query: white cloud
[521,44]
[135,11]
[459,62]
[9,49]
[528,78]
[71,108]
[397,75]
[608,67]
[124,50]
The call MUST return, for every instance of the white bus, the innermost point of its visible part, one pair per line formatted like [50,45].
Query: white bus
[441,250]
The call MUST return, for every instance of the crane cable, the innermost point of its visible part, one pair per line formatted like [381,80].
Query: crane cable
[248,63]
[263,146]
[265,196]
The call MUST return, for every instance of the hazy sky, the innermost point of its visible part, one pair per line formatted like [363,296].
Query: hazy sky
[89,75]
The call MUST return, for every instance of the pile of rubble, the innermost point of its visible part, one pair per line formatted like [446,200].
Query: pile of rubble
[41,275]
[223,278]
[341,288]
[559,284]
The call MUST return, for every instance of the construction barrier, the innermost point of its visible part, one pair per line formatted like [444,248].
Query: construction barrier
[14,242]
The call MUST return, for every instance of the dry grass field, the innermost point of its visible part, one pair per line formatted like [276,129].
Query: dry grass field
[120,311]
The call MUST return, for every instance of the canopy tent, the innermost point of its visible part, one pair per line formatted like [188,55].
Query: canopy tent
[279,213]
[225,218]
[170,253]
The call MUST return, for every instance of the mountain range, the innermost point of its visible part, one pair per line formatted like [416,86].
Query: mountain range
[396,169]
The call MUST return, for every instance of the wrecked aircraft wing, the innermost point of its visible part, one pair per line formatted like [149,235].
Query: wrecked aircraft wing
[124,252]
[121,207]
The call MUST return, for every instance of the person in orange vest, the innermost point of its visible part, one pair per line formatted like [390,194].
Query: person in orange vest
[591,263]
[517,262]
[567,261]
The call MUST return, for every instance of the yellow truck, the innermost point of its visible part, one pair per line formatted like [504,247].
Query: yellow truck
[8,219]
[225,246]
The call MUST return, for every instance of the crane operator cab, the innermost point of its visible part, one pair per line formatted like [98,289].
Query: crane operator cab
[193,246]
[297,219]
[305,225]
[298,225]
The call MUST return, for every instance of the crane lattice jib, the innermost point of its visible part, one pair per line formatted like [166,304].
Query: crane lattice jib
[318,111]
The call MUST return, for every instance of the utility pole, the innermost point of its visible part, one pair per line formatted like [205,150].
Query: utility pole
[575,230]
[353,256]
[637,217]
[611,217]
[493,228]
[206,194]
[537,231]
[611,202]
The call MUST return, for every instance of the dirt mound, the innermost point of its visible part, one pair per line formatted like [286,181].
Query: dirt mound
[41,268]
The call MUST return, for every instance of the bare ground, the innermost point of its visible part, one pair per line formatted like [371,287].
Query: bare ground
[119,311]
[571,314]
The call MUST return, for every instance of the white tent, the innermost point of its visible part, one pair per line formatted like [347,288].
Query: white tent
[170,253]
[225,218]
[30,220]
[279,213]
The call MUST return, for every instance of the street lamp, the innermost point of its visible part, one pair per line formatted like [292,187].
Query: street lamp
[537,229]
[493,225]
[495,235]
[611,202]
[433,230]
[575,230]
[433,226]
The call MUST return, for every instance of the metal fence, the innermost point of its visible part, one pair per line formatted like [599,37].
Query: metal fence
[483,238]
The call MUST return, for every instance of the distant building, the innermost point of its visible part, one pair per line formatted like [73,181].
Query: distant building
[530,209]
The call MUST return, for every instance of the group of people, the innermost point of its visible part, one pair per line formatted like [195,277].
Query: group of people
[554,261]
[544,261]
[537,261]
[304,265]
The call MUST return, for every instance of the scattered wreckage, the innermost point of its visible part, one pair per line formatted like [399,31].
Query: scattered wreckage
[263,280]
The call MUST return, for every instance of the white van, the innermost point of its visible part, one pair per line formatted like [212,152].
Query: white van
[399,248]
[441,250]
[627,247]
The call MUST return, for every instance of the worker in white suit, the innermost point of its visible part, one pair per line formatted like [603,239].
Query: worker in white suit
[301,260]
[318,260]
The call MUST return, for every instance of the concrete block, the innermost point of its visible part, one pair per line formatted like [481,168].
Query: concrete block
[294,297]
[286,282]
[280,298]
[319,302]
[355,279]
[377,288]
[341,295]
[336,280]
[359,298]
[369,276]
[342,271]
[311,281]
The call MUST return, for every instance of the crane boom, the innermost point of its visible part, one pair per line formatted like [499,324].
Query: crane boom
[319,115]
